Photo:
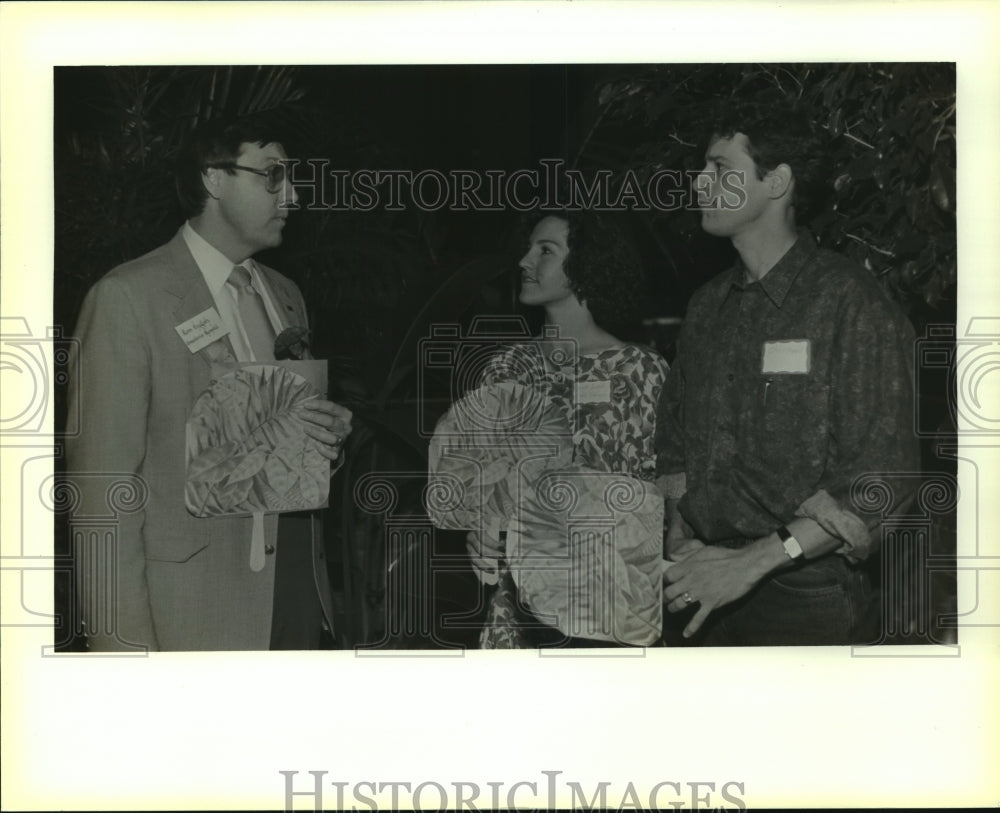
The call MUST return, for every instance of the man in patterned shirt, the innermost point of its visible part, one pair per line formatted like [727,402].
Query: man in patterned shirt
[793,379]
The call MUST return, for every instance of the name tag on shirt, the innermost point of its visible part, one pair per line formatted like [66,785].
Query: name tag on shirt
[793,356]
[593,392]
[201,330]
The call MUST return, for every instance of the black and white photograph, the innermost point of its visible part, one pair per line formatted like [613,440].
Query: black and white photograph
[487,397]
[657,371]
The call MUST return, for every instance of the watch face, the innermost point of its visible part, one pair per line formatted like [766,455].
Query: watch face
[792,547]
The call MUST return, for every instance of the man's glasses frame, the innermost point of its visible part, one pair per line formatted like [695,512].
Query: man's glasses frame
[274,176]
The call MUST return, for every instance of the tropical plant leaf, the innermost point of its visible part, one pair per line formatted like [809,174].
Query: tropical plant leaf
[280,473]
[480,445]
[212,465]
[265,461]
[249,465]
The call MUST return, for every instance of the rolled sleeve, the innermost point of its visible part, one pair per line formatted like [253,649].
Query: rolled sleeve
[840,523]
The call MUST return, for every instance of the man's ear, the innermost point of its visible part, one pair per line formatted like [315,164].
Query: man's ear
[210,178]
[780,181]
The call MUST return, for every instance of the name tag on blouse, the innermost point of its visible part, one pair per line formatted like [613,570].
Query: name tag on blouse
[793,356]
[593,392]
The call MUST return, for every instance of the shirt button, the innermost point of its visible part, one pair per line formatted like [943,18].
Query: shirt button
[730,377]
[269,549]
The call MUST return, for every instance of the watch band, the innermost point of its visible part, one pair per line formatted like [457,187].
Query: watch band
[791,545]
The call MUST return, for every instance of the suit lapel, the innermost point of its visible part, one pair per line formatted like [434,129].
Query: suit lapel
[286,304]
[190,295]
[189,292]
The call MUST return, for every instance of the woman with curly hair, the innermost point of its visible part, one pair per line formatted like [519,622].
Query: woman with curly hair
[580,269]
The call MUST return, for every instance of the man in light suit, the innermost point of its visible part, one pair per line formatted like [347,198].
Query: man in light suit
[172,581]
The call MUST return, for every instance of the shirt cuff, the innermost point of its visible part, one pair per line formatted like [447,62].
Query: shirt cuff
[672,486]
[839,522]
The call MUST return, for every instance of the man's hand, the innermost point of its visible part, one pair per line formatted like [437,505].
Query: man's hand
[678,549]
[485,551]
[327,423]
[710,577]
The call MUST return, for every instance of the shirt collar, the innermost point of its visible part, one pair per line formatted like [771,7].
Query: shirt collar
[214,265]
[776,282]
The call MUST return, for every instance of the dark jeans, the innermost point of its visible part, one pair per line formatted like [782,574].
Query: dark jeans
[821,603]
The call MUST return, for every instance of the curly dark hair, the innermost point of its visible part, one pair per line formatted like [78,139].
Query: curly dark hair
[778,132]
[603,267]
[217,141]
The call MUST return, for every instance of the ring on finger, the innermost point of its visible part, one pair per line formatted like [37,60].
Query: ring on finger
[687,598]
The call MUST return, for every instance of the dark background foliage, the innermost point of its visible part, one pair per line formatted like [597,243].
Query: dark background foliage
[891,138]
[376,281]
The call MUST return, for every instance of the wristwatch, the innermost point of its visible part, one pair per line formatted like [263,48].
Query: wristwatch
[790,544]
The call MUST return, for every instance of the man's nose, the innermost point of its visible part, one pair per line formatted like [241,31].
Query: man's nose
[703,182]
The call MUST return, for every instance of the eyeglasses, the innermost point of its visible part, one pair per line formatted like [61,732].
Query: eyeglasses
[274,175]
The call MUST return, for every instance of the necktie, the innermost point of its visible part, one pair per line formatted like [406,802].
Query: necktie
[253,315]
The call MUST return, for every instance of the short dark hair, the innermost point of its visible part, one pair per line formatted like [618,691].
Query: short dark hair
[212,142]
[603,267]
[778,132]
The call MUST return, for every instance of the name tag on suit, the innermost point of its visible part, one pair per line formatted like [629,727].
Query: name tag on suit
[792,356]
[201,330]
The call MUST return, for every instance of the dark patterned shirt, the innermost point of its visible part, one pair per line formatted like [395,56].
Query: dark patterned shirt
[784,392]
[609,398]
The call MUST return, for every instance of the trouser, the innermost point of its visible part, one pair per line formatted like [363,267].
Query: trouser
[297,615]
[819,602]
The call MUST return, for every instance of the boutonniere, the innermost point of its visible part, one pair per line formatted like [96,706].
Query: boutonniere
[220,358]
[291,344]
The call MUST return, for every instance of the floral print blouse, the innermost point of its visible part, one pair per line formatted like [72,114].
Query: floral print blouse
[609,398]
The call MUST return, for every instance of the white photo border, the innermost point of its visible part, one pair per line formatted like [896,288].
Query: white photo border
[212,731]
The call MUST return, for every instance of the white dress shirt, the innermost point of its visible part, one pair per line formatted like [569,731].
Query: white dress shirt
[216,269]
